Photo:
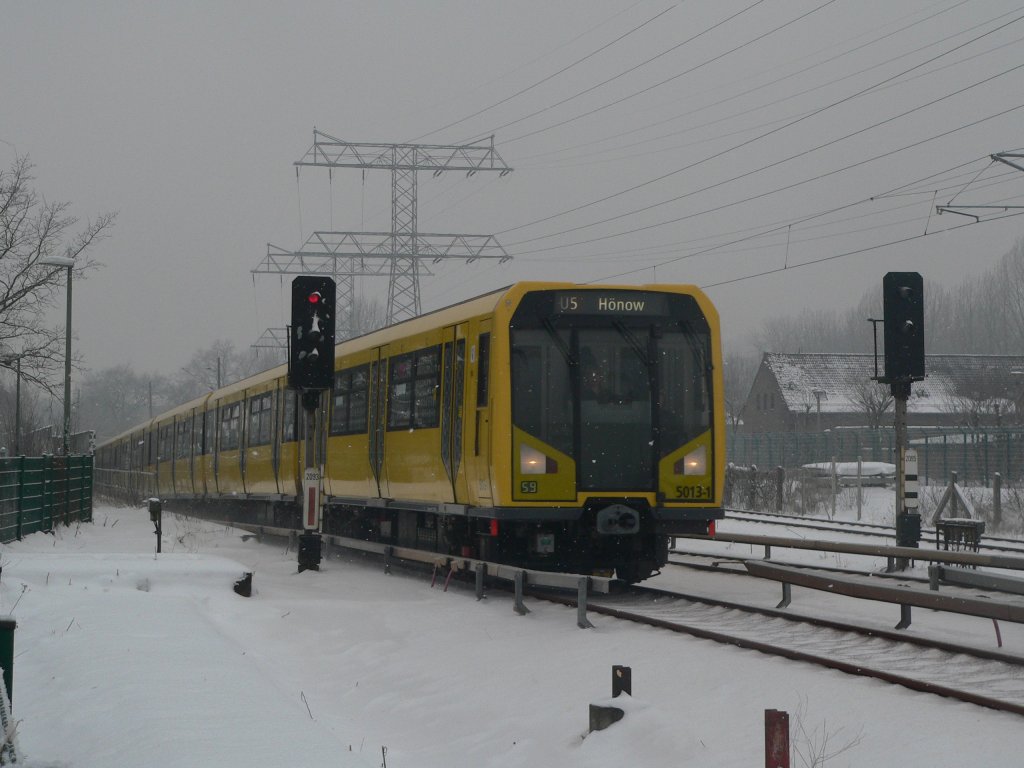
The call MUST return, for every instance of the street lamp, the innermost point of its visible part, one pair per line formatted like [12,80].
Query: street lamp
[6,363]
[63,261]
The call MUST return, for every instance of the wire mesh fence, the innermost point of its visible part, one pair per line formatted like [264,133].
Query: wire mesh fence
[977,455]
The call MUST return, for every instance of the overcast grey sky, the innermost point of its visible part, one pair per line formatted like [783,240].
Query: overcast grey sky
[186,119]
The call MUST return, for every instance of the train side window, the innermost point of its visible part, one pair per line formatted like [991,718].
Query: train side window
[165,443]
[198,429]
[349,407]
[230,418]
[483,370]
[259,419]
[414,381]
[288,417]
[183,439]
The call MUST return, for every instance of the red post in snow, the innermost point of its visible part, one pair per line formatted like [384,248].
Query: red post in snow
[776,739]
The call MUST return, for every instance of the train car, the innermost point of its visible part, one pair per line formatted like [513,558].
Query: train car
[548,425]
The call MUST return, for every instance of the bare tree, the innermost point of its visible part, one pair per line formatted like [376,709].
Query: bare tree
[19,420]
[977,403]
[220,359]
[738,377]
[874,399]
[113,400]
[33,231]
[367,315]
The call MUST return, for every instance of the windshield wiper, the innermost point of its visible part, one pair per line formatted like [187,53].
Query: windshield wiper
[633,342]
[560,343]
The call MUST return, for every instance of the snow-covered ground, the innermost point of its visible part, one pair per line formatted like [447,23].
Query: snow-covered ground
[126,658]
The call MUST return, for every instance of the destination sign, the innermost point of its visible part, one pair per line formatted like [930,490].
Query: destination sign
[610,303]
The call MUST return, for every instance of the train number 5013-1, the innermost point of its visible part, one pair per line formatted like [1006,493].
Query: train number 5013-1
[693,492]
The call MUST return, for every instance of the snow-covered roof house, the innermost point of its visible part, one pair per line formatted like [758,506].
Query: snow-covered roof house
[816,391]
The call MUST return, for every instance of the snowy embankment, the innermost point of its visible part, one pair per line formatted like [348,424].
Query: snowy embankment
[130,659]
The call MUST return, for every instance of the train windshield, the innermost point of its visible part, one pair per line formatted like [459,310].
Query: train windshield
[617,380]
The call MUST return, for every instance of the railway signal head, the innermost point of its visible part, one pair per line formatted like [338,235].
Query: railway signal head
[903,303]
[311,337]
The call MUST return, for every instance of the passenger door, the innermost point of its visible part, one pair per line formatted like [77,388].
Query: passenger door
[377,417]
[453,398]
[478,428]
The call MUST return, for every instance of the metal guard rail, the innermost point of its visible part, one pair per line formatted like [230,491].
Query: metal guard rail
[874,550]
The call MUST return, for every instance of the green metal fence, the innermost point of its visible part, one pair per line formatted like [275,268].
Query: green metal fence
[976,455]
[40,492]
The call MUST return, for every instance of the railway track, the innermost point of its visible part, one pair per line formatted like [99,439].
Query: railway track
[986,678]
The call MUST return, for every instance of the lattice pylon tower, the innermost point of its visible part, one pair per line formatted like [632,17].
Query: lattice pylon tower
[401,254]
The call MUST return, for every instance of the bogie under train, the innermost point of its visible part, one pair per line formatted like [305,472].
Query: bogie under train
[548,425]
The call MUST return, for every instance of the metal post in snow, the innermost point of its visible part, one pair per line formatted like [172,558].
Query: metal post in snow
[997,499]
[860,475]
[954,503]
[776,739]
[835,487]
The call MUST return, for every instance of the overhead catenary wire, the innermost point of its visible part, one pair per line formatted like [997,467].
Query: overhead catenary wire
[535,59]
[782,225]
[723,152]
[676,76]
[762,86]
[780,162]
[788,186]
[552,76]
[774,102]
[858,251]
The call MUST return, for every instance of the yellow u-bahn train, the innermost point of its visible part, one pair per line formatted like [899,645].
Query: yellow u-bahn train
[548,425]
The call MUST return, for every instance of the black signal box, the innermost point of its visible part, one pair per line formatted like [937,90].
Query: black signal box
[311,336]
[903,307]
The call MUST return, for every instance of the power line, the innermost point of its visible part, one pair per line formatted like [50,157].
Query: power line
[776,102]
[857,251]
[549,77]
[738,146]
[762,86]
[771,228]
[788,186]
[692,69]
[780,162]
[535,59]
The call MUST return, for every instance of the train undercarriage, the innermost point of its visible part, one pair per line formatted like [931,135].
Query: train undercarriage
[578,541]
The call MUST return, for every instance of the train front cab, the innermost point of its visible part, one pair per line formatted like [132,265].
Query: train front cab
[612,432]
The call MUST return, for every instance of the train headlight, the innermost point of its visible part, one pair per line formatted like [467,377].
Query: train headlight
[693,463]
[534,462]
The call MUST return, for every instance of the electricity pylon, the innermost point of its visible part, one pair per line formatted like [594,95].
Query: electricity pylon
[402,253]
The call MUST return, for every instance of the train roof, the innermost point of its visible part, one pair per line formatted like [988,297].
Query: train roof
[445,316]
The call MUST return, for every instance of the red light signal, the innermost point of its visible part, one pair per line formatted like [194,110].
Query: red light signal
[311,337]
